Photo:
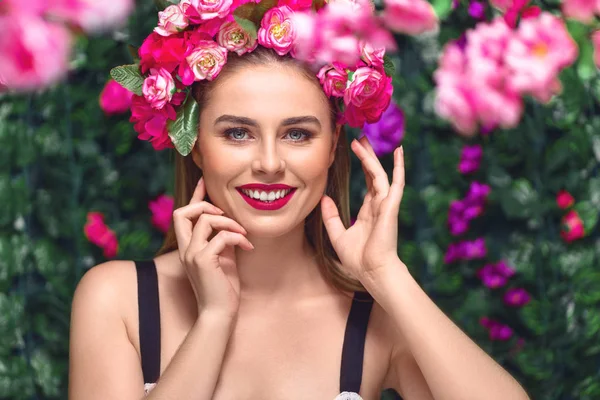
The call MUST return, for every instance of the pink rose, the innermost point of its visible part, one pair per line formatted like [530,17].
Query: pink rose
[207,60]
[232,37]
[90,15]
[162,212]
[34,53]
[409,16]
[373,57]
[581,10]
[209,9]
[150,123]
[171,20]
[162,51]
[296,5]
[159,88]
[333,78]
[99,234]
[367,96]
[276,30]
[115,99]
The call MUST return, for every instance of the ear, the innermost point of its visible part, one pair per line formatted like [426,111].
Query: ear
[196,156]
[336,136]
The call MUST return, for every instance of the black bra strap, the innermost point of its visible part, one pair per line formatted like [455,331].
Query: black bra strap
[149,315]
[354,342]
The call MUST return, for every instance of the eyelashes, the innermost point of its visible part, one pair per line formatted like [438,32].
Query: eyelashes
[235,134]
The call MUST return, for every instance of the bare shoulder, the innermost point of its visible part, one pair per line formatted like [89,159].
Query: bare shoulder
[103,363]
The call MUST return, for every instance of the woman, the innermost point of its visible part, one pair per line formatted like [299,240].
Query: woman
[255,298]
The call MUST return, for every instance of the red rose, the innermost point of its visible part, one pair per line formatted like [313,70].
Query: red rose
[564,199]
[162,51]
[572,227]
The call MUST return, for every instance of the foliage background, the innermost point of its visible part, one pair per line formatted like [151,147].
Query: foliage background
[60,158]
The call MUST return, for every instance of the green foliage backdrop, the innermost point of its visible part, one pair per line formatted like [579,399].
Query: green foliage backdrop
[60,158]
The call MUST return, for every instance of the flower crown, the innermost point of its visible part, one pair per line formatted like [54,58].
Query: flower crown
[193,38]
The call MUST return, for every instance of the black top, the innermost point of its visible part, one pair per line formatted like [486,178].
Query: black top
[149,315]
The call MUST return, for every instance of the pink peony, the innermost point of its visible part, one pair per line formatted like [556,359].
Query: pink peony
[581,10]
[171,20]
[90,15]
[537,54]
[206,61]
[232,37]
[159,88]
[333,78]
[277,30]
[160,51]
[35,53]
[150,123]
[204,10]
[115,99]
[409,16]
[296,5]
[162,212]
[99,234]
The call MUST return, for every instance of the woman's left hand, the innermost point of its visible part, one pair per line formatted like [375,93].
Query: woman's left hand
[371,244]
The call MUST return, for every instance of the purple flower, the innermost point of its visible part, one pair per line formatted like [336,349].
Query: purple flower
[470,159]
[516,297]
[478,192]
[497,330]
[386,134]
[475,249]
[477,10]
[495,275]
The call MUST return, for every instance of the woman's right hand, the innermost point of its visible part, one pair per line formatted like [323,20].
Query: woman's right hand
[210,264]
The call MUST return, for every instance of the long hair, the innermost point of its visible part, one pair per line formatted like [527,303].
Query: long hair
[187,173]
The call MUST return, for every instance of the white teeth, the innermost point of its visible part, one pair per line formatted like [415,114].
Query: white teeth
[264,196]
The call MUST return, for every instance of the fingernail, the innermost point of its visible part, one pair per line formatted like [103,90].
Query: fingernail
[401,150]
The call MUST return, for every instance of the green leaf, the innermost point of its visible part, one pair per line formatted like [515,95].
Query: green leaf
[184,130]
[254,12]
[588,213]
[442,8]
[129,77]
[586,68]
[521,200]
[594,192]
[247,25]
[162,4]
[388,66]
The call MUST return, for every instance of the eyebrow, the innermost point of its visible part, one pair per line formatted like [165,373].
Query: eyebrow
[251,122]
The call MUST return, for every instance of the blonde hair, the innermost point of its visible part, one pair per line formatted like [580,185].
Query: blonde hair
[187,174]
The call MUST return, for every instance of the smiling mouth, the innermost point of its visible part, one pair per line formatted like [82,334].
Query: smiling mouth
[270,198]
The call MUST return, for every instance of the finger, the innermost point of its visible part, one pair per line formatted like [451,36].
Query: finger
[226,238]
[199,192]
[364,140]
[398,182]
[331,219]
[183,221]
[374,168]
[209,223]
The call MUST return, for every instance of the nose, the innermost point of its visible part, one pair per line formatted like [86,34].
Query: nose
[268,159]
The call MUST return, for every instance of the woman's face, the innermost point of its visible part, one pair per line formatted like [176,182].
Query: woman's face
[267,125]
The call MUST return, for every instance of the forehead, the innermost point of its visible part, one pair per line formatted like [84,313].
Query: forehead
[276,91]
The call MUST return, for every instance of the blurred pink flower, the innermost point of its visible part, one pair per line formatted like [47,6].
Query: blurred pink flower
[99,234]
[501,4]
[34,53]
[91,16]
[516,297]
[114,98]
[536,55]
[581,10]
[162,212]
[409,16]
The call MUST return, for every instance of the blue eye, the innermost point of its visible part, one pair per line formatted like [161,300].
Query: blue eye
[237,134]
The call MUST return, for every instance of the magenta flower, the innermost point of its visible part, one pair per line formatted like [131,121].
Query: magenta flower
[162,212]
[151,124]
[114,98]
[477,10]
[462,211]
[386,134]
[516,297]
[497,330]
[277,30]
[470,158]
[495,275]
[466,250]
[99,234]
